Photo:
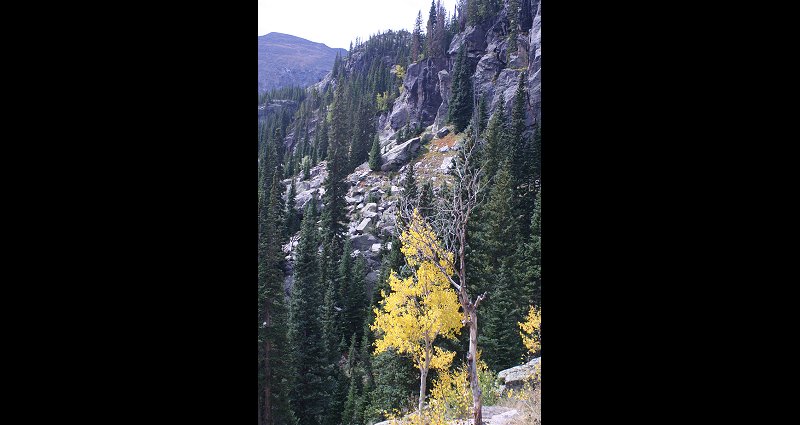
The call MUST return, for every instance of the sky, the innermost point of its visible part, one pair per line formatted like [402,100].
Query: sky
[338,22]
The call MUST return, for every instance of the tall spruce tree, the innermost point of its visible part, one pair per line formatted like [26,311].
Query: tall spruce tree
[333,217]
[494,152]
[309,360]
[274,359]
[513,27]
[426,199]
[291,218]
[459,110]
[416,38]
[533,257]
[522,159]
[375,160]
[356,301]
[430,31]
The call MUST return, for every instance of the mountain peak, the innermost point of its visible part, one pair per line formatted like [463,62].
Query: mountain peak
[287,60]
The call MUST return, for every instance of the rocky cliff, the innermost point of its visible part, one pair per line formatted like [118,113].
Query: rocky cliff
[373,196]
[285,60]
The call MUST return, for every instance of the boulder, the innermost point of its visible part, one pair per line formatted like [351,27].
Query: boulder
[446,164]
[364,226]
[514,378]
[444,149]
[363,242]
[371,207]
[444,131]
[376,248]
[400,155]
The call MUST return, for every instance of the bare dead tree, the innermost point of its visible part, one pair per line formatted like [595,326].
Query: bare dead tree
[450,223]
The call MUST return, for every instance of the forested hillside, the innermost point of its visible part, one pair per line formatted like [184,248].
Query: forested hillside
[399,226]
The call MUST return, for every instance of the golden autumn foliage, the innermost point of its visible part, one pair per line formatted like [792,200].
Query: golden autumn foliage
[532,330]
[420,308]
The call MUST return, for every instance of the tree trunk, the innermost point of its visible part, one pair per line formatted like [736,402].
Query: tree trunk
[423,382]
[473,368]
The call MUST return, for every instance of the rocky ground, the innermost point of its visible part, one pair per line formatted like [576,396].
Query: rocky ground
[373,196]
[512,378]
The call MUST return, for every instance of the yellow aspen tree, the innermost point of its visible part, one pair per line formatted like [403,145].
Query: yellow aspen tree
[418,310]
[532,330]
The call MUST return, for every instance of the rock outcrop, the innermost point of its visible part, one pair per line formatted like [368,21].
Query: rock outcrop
[419,103]
[400,155]
[515,378]
[423,103]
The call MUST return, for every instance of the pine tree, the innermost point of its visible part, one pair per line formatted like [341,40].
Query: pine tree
[309,398]
[430,32]
[306,168]
[439,32]
[375,155]
[410,184]
[416,38]
[533,256]
[426,198]
[356,298]
[459,111]
[273,316]
[353,392]
[494,151]
[494,266]
[291,220]
[522,159]
[343,284]
[537,153]
[483,116]
[513,27]
[333,217]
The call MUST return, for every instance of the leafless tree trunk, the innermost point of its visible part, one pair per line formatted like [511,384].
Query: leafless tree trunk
[450,224]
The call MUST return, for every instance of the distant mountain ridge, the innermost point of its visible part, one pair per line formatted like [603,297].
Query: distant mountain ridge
[285,60]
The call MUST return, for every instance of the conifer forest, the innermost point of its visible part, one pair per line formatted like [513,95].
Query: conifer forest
[400,227]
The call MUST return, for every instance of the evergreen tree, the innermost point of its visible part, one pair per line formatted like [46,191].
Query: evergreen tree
[429,31]
[513,27]
[522,159]
[375,155]
[394,381]
[291,220]
[494,149]
[309,360]
[306,168]
[439,32]
[426,198]
[356,302]
[322,143]
[533,257]
[459,111]
[483,116]
[493,265]
[274,359]
[343,285]
[537,153]
[333,217]
[410,184]
[353,393]
[416,38]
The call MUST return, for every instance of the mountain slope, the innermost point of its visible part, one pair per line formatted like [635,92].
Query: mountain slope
[285,60]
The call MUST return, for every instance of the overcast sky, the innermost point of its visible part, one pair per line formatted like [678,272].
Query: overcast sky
[338,22]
